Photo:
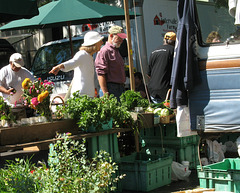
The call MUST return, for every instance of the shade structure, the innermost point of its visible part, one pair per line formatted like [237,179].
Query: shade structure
[17,9]
[58,13]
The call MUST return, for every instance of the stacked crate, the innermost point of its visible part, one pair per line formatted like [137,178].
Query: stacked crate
[145,172]
[162,138]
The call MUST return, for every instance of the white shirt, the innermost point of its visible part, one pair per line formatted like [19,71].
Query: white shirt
[83,78]
[8,78]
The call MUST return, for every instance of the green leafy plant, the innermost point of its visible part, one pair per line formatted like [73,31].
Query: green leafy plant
[131,99]
[6,111]
[94,112]
[69,170]
[16,176]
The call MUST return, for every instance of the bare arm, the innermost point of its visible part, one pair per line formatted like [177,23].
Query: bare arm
[56,69]
[6,91]
[103,83]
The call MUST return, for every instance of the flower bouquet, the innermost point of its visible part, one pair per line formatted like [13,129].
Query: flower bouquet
[36,95]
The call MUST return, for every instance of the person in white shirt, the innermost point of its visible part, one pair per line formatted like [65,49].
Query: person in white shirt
[83,65]
[11,78]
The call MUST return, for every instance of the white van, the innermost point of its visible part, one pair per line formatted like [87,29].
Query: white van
[51,54]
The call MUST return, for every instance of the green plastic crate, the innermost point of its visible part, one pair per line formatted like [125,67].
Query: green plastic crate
[145,172]
[223,176]
[166,134]
[108,143]
[105,126]
[188,153]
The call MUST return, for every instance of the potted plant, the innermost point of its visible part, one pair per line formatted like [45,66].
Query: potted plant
[96,113]
[131,99]
[134,102]
[7,117]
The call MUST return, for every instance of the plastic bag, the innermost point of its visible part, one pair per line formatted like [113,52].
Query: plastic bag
[215,152]
[231,147]
[238,145]
[183,122]
[179,172]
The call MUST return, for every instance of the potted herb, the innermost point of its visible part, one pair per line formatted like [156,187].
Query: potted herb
[131,99]
[97,113]
[7,117]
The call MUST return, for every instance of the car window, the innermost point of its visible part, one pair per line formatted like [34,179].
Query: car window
[50,55]
[217,25]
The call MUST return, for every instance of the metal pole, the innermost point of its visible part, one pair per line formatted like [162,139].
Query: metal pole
[130,57]
[70,37]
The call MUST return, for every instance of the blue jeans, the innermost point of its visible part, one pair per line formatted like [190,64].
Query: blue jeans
[115,89]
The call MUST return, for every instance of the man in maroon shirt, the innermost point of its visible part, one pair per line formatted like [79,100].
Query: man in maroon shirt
[110,64]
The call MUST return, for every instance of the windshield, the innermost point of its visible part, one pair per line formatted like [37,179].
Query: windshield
[217,25]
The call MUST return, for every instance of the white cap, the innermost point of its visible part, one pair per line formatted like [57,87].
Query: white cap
[17,60]
[92,38]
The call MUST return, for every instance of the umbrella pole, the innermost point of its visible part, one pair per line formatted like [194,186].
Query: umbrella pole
[130,58]
[70,37]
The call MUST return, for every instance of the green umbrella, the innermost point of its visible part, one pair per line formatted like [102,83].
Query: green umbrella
[17,9]
[69,12]
[58,13]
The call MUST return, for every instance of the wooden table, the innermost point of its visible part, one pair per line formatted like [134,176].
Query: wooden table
[44,133]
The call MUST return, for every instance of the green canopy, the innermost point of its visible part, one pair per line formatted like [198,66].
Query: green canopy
[17,9]
[58,13]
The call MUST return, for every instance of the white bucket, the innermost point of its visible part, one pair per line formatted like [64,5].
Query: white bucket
[186,164]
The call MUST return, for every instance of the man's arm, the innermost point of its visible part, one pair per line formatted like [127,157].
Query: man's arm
[6,91]
[103,83]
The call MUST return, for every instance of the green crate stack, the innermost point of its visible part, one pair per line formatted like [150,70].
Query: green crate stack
[108,143]
[223,176]
[145,172]
[188,153]
[166,134]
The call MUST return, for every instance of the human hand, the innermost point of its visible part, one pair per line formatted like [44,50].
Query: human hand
[54,70]
[11,91]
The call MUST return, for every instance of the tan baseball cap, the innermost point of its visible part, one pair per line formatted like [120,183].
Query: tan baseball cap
[118,31]
[170,36]
[17,60]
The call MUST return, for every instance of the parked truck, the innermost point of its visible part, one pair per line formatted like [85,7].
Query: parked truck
[214,103]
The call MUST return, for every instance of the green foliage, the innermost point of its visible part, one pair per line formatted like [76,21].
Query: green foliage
[69,171]
[93,112]
[6,111]
[131,99]
[17,177]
